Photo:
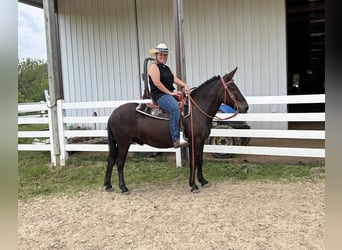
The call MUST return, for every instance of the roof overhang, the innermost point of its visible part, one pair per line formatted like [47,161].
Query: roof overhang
[36,3]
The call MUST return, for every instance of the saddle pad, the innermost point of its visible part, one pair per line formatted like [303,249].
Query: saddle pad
[149,110]
[157,113]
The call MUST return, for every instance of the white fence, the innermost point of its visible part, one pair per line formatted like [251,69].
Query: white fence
[41,108]
[65,132]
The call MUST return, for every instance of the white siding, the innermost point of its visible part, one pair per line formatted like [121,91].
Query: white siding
[155,25]
[249,34]
[101,59]
[98,49]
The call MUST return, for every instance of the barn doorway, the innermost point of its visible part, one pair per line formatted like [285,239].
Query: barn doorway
[305,53]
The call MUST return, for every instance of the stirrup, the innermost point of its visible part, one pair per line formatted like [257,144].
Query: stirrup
[180,143]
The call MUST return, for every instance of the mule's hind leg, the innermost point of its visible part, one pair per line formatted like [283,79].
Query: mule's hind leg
[122,185]
[108,176]
[120,162]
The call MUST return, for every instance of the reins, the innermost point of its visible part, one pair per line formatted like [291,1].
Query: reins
[192,101]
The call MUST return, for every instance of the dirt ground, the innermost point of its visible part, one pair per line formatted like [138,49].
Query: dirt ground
[239,215]
[244,215]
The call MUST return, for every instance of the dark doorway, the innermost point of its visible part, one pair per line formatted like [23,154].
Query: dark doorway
[305,55]
[306,46]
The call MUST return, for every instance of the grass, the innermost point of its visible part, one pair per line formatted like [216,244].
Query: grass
[31,127]
[85,171]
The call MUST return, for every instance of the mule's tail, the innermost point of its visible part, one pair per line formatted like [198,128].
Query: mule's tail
[113,150]
[113,147]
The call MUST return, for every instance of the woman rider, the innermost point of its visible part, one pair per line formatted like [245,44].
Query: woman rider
[161,81]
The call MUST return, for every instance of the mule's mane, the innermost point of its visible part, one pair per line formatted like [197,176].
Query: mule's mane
[204,85]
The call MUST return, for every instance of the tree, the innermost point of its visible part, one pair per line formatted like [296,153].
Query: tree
[32,80]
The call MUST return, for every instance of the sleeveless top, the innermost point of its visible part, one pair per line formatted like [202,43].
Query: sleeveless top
[166,78]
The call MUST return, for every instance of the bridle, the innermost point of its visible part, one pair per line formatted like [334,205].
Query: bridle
[226,90]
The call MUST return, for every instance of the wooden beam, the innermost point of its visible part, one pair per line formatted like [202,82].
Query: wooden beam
[54,72]
[179,51]
[179,38]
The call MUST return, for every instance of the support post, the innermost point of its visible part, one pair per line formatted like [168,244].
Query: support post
[179,53]
[179,39]
[55,89]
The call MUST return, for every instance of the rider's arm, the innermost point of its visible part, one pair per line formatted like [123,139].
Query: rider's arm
[182,84]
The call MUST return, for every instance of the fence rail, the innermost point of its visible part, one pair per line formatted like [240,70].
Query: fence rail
[65,133]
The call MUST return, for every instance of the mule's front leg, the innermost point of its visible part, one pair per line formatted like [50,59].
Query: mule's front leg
[192,184]
[201,179]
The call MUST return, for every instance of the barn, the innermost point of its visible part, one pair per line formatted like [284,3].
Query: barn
[100,47]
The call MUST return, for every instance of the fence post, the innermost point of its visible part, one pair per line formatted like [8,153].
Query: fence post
[61,127]
[178,157]
[51,137]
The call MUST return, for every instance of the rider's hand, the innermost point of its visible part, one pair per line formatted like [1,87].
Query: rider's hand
[186,90]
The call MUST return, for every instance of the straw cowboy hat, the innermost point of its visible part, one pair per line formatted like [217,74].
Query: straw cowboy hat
[161,48]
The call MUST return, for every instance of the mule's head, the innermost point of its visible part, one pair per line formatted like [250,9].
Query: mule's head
[234,97]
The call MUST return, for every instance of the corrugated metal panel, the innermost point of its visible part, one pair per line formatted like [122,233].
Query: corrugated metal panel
[250,34]
[155,25]
[99,50]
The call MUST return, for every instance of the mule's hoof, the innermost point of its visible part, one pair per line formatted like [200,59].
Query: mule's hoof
[109,189]
[195,190]
[206,185]
[125,192]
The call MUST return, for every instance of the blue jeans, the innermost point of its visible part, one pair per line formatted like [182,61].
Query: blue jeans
[170,104]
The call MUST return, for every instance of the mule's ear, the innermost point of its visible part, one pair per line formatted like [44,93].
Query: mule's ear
[230,75]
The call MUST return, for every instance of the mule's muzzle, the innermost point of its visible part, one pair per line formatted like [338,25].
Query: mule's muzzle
[243,108]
